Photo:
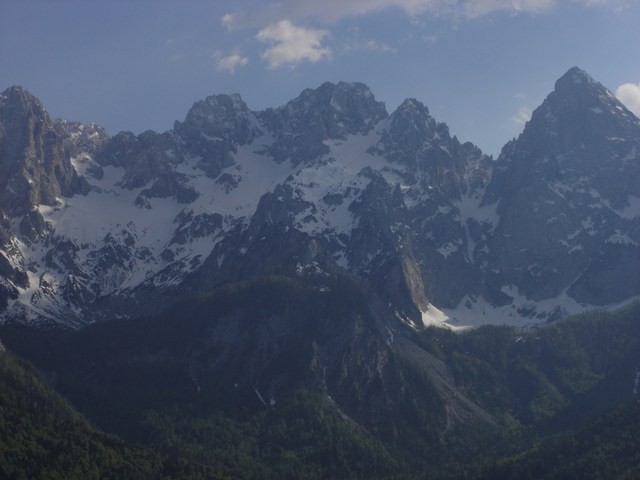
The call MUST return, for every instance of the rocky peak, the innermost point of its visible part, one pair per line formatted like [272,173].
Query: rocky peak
[332,111]
[565,188]
[433,158]
[412,108]
[34,166]
[411,127]
[579,112]
[88,138]
[149,159]
[18,102]
[213,129]
[353,101]
[20,114]
[345,108]
[578,85]
[218,118]
[581,131]
[415,116]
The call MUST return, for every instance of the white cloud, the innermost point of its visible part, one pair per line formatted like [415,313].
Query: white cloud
[334,10]
[478,8]
[616,5]
[629,94]
[430,39]
[376,46]
[229,63]
[230,20]
[290,44]
[359,45]
[355,43]
[523,116]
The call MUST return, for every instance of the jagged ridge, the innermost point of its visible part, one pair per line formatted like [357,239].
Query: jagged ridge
[328,182]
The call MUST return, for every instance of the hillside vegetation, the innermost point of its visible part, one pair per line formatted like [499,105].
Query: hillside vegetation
[283,377]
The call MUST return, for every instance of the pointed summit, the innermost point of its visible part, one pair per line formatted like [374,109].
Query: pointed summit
[222,117]
[19,94]
[330,112]
[339,109]
[17,106]
[581,129]
[351,99]
[34,166]
[413,118]
[411,129]
[576,92]
[574,76]
[565,186]
[579,112]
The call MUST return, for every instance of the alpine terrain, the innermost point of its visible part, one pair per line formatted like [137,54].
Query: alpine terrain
[252,294]
[95,226]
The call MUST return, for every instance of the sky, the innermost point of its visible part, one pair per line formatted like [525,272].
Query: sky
[481,66]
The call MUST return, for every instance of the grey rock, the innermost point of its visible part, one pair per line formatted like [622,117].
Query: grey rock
[429,220]
[144,157]
[213,129]
[332,111]
[34,166]
[561,187]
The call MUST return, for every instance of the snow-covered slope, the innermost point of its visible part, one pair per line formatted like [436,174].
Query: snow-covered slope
[438,232]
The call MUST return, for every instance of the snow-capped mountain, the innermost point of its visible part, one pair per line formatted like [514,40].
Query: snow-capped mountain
[95,226]
[568,199]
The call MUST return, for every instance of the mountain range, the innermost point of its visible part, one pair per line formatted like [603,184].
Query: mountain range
[95,227]
[255,294]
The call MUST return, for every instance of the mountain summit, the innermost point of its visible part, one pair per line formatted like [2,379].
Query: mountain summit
[432,229]
[578,114]
[34,167]
[568,193]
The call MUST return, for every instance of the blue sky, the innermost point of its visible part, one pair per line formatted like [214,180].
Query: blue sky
[481,66]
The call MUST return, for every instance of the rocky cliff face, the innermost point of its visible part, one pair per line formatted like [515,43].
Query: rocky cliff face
[433,229]
[567,195]
[331,112]
[34,169]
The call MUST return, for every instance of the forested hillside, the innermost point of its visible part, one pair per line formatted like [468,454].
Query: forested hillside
[290,377]
[43,437]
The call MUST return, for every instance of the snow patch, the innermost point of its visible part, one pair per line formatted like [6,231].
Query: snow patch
[434,317]
[390,336]
[474,311]
[632,210]
[619,238]
[448,248]
[336,175]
